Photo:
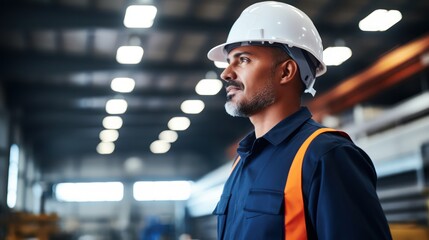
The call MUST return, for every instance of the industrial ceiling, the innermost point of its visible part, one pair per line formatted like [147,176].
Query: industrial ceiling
[58,60]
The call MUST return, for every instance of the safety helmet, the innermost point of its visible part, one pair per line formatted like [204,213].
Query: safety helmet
[275,22]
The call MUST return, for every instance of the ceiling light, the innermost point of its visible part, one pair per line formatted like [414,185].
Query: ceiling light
[192,106]
[168,136]
[116,106]
[221,64]
[122,85]
[105,147]
[134,165]
[112,122]
[159,146]
[129,54]
[334,56]
[208,86]
[139,16]
[380,20]
[179,123]
[109,135]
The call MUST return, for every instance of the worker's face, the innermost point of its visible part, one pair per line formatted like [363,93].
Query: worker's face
[249,80]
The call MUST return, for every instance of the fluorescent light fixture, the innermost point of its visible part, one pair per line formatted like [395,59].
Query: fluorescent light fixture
[162,190]
[139,16]
[109,135]
[122,85]
[192,106]
[105,148]
[221,64]
[159,146]
[179,123]
[334,56]
[12,184]
[380,20]
[112,122]
[208,86]
[116,106]
[168,136]
[129,54]
[89,192]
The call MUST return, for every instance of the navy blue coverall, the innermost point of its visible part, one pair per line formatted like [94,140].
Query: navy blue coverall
[338,186]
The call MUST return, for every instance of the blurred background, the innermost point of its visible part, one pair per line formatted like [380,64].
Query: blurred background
[112,120]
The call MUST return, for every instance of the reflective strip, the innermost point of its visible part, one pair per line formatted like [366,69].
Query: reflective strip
[295,227]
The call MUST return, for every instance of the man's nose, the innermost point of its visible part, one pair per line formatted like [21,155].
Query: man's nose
[228,74]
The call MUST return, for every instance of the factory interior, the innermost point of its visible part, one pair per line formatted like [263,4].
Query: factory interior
[115,129]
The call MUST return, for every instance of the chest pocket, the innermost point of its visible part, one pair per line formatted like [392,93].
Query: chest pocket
[263,201]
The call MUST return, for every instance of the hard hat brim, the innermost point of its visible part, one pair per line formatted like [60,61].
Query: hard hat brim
[217,53]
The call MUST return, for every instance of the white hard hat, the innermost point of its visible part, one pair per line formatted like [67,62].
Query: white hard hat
[276,22]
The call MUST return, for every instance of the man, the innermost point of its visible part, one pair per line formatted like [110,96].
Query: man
[274,54]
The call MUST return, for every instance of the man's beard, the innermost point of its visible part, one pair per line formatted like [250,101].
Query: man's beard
[246,108]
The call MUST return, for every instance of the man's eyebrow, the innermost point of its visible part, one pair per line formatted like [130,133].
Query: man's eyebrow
[237,55]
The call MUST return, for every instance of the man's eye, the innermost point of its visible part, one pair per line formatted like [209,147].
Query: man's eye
[244,59]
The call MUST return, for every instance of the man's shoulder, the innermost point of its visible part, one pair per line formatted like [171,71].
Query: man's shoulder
[327,141]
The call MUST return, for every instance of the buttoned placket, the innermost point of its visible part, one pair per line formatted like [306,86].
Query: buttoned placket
[237,176]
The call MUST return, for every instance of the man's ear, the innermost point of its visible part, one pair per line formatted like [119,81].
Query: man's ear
[289,71]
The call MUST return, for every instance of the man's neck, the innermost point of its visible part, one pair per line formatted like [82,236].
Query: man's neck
[266,119]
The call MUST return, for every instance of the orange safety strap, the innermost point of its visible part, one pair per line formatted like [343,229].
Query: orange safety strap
[295,227]
[235,164]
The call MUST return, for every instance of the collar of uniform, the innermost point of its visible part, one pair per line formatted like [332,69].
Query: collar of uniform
[287,126]
[246,144]
[279,132]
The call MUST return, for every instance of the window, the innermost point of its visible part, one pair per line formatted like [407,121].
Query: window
[12,186]
[162,190]
[89,192]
